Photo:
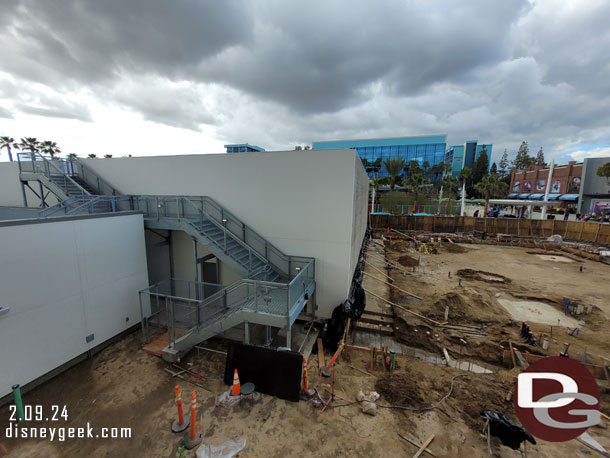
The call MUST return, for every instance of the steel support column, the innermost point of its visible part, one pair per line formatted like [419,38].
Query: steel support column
[196,268]
[25,199]
[171,262]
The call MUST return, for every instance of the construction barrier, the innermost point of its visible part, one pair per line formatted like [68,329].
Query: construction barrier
[569,230]
[179,424]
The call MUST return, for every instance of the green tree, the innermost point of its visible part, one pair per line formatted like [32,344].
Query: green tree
[8,143]
[490,186]
[30,144]
[394,168]
[604,171]
[72,156]
[523,159]
[451,184]
[375,166]
[50,148]
[480,167]
[494,169]
[540,158]
[92,156]
[503,164]
[415,182]
[412,168]
[107,156]
[393,201]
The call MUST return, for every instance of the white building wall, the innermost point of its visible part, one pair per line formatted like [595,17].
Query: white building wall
[10,187]
[307,203]
[360,212]
[63,281]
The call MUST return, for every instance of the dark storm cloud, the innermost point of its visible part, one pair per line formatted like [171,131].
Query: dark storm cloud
[313,57]
[322,56]
[87,41]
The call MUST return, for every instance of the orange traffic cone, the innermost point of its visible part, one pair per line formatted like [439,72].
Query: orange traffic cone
[236,390]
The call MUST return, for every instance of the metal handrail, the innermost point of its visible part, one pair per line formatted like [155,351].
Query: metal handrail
[63,206]
[46,169]
[87,204]
[224,229]
[83,171]
[245,229]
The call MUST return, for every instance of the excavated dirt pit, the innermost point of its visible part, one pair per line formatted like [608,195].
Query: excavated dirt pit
[423,387]
[408,261]
[488,277]
[537,312]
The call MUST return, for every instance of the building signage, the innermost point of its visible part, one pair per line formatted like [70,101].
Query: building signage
[516,186]
[527,186]
[540,185]
[574,185]
[601,208]
[556,187]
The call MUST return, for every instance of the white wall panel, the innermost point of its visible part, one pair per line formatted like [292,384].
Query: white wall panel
[64,280]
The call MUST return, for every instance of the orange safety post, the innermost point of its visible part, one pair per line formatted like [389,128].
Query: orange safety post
[179,404]
[193,414]
[181,423]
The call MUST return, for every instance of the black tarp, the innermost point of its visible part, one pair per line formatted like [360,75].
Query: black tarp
[352,308]
[277,373]
[510,433]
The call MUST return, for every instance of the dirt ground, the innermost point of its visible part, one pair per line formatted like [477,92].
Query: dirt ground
[123,386]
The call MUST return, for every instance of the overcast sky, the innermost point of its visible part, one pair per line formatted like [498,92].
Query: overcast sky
[148,77]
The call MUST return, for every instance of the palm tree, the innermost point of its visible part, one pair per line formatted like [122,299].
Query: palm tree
[72,156]
[8,143]
[490,186]
[394,168]
[92,156]
[464,175]
[415,181]
[107,156]
[29,144]
[50,148]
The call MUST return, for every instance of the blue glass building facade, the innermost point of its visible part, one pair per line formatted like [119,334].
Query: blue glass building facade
[460,156]
[430,149]
[243,148]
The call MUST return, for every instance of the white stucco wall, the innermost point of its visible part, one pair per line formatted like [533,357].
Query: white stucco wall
[63,281]
[307,203]
[360,212]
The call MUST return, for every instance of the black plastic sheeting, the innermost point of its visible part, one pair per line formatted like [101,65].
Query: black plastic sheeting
[277,373]
[352,307]
[510,433]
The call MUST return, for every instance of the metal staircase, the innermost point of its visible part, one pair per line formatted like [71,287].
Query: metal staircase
[275,286]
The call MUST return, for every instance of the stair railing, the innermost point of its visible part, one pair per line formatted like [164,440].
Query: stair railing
[84,172]
[50,168]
